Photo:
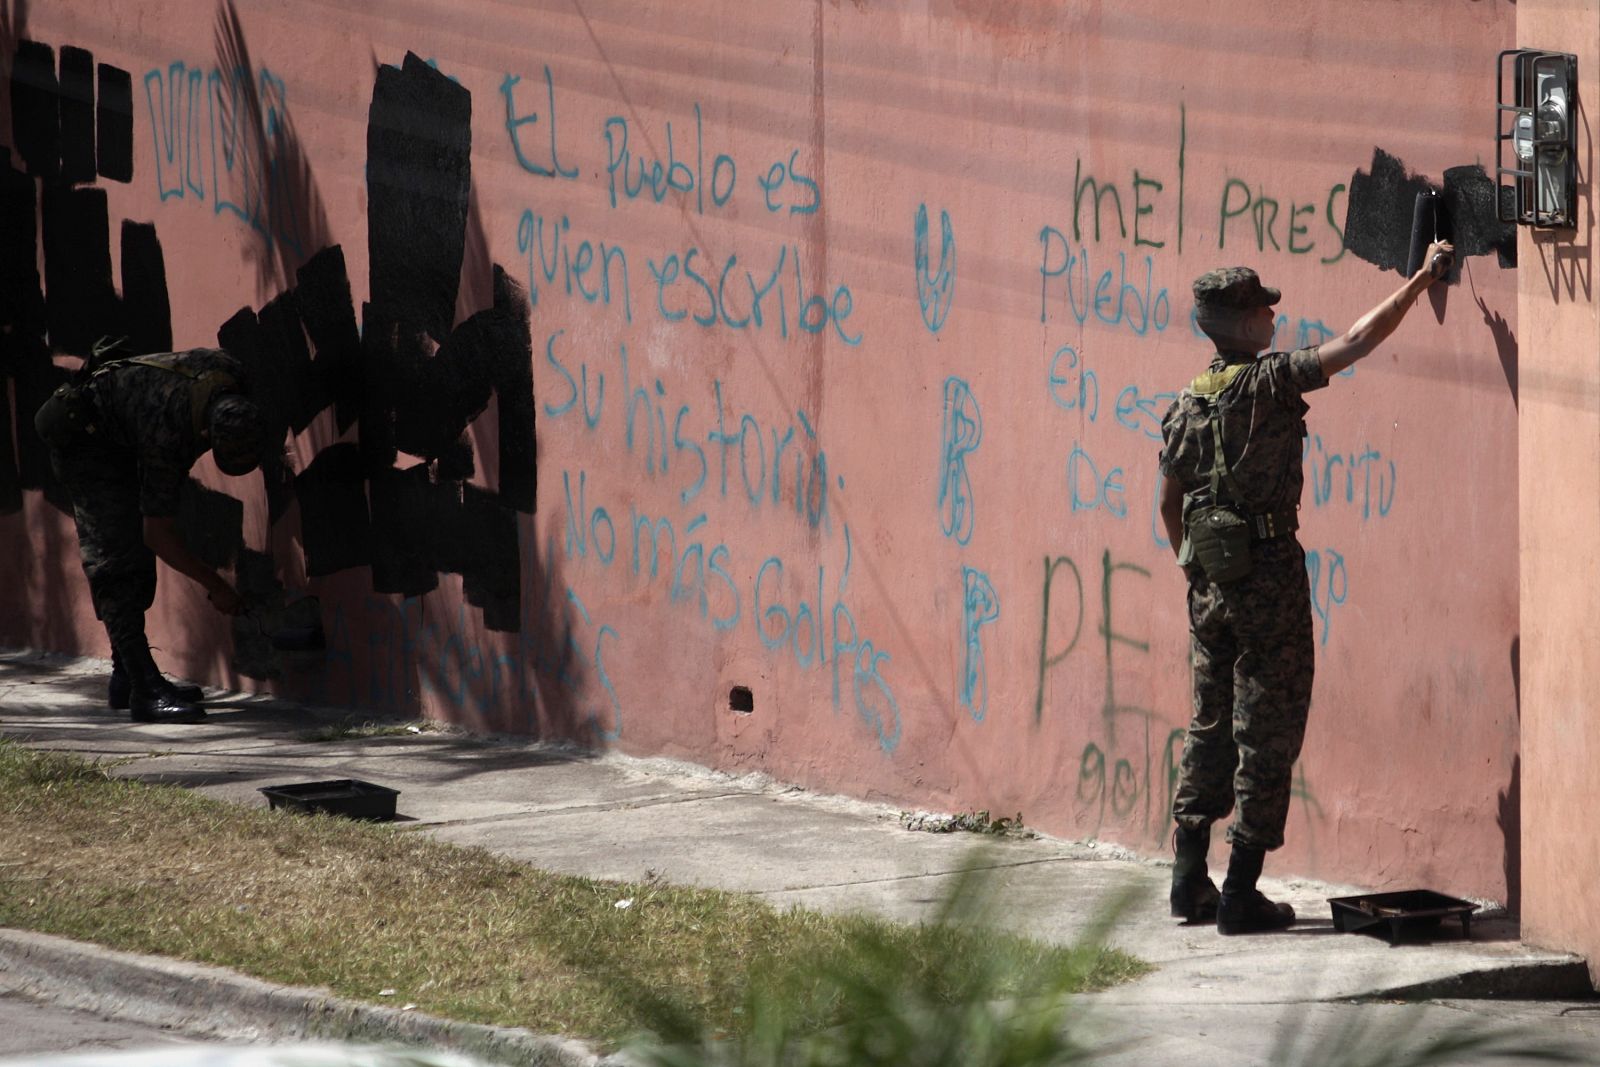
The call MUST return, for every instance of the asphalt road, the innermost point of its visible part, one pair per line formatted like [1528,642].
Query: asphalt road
[33,1028]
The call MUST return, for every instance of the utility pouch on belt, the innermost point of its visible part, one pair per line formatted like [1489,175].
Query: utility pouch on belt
[66,415]
[1217,535]
[1219,540]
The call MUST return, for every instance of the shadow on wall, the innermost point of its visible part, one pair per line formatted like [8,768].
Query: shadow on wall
[1510,798]
[393,418]
[1505,344]
[1567,256]
[270,146]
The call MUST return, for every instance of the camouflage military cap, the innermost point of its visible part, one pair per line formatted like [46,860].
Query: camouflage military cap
[1233,288]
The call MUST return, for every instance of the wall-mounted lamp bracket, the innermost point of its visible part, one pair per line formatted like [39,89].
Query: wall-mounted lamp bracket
[1543,135]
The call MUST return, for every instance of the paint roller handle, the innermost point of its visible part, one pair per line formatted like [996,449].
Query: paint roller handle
[1440,255]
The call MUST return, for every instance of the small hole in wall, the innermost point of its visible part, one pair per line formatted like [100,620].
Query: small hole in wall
[742,700]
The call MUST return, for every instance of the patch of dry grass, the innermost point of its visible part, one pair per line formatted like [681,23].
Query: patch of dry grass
[362,909]
[353,730]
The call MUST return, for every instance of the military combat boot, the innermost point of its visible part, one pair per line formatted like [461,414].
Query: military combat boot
[151,698]
[120,689]
[1243,909]
[1194,894]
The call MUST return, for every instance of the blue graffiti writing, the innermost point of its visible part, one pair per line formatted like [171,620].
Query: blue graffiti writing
[810,484]
[766,463]
[704,294]
[591,416]
[1113,297]
[807,197]
[1066,371]
[1142,412]
[1374,491]
[812,635]
[935,289]
[515,122]
[653,178]
[963,431]
[239,151]
[585,525]
[1330,585]
[697,576]
[1305,333]
[608,725]
[980,607]
[1088,490]
[559,257]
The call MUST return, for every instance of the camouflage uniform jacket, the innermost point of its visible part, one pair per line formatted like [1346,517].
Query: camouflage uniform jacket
[146,411]
[1263,425]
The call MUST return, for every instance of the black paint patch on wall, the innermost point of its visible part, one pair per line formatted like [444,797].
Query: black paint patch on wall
[291,387]
[1471,199]
[80,304]
[513,386]
[300,392]
[35,109]
[1377,225]
[419,179]
[114,125]
[77,115]
[386,350]
[406,509]
[21,295]
[212,524]
[491,572]
[335,526]
[326,308]
[1378,220]
[34,377]
[10,480]
[288,388]
[456,463]
[146,308]
[244,339]
[436,397]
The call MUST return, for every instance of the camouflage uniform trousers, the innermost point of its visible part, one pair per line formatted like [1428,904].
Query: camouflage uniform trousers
[1253,655]
[104,484]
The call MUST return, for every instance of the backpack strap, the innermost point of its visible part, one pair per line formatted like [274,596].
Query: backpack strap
[1206,388]
[207,383]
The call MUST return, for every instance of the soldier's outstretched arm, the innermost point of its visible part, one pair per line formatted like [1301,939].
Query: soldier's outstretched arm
[1372,328]
[161,534]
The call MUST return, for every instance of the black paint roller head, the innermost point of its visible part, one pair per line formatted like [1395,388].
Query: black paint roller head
[1430,222]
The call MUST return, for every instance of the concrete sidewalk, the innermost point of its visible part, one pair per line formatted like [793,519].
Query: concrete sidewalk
[618,818]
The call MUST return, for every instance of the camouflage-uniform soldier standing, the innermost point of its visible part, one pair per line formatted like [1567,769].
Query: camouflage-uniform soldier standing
[122,440]
[1232,525]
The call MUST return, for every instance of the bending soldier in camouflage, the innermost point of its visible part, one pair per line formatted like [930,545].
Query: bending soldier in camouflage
[122,440]
[1230,516]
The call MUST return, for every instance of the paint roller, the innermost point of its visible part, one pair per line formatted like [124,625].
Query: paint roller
[296,627]
[1430,222]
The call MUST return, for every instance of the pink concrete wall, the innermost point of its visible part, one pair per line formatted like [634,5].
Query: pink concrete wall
[1560,522]
[910,498]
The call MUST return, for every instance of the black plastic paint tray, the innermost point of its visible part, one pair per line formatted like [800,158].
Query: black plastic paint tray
[345,796]
[1396,913]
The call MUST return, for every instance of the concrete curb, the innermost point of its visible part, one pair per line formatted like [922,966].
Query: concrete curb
[215,1002]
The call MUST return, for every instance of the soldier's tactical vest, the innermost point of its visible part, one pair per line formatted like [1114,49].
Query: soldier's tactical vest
[69,413]
[1217,528]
